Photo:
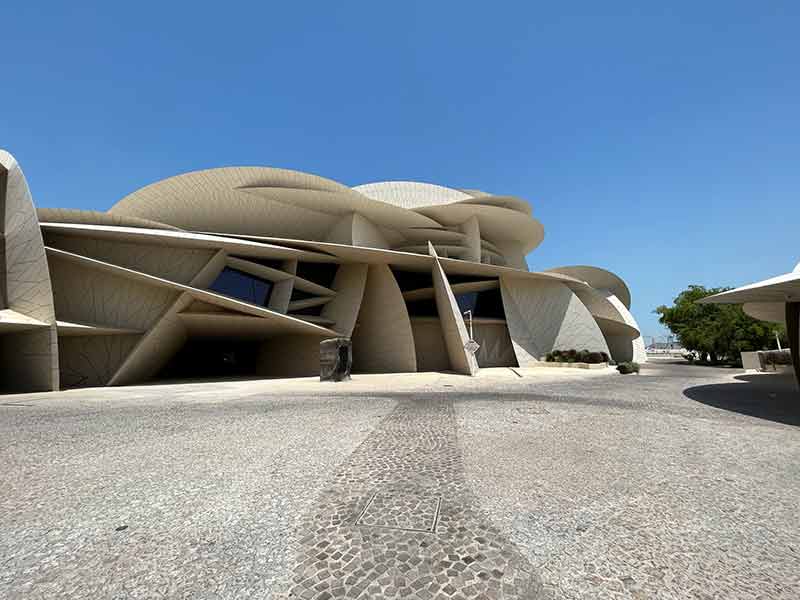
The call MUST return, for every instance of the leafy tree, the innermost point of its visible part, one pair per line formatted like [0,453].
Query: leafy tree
[721,331]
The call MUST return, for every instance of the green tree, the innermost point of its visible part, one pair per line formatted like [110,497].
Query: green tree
[721,331]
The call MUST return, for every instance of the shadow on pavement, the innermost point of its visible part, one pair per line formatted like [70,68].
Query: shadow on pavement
[774,397]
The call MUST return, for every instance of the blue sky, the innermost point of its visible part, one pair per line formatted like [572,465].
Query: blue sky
[660,142]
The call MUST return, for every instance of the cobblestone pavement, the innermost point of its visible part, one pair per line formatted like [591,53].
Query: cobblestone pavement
[680,483]
[399,521]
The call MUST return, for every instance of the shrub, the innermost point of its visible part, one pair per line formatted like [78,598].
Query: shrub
[775,357]
[572,356]
[628,367]
[595,358]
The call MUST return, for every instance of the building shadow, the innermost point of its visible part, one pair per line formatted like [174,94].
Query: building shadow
[774,397]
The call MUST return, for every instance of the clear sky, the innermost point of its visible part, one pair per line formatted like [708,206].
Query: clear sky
[660,142]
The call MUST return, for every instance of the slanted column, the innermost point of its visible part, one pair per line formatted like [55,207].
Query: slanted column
[453,328]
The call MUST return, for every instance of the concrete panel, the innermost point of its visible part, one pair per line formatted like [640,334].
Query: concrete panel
[472,230]
[26,287]
[453,328]
[366,233]
[343,309]
[382,339]
[155,348]
[619,328]
[543,316]
[26,361]
[496,349]
[93,360]
[175,264]
[626,346]
[168,335]
[356,230]
[104,298]
[429,344]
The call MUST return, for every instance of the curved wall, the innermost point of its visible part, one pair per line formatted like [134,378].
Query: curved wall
[28,353]
[543,316]
[383,341]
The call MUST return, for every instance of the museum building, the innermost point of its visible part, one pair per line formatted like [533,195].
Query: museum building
[242,271]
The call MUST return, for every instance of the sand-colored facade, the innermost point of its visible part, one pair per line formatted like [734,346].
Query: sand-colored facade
[243,271]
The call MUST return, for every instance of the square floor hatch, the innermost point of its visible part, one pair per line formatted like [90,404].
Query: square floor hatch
[409,512]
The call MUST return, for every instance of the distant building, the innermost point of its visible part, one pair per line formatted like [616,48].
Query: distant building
[665,347]
[244,270]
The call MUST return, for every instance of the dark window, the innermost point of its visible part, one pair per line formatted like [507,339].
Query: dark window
[489,304]
[319,273]
[243,286]
[413,280]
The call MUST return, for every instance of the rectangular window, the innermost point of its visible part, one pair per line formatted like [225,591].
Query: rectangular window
[242,286]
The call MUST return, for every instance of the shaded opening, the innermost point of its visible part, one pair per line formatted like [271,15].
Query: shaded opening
[309,310]
[266,262]
[413,280]
[201,359]
[242,286]
[422,308]
[487,304]
[454,279]
[320,273]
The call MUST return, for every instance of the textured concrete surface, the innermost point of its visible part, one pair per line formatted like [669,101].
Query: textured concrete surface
[682,482]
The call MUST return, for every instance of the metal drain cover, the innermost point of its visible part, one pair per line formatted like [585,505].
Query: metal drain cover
[409,512]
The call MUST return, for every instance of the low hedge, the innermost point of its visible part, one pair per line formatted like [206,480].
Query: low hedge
[627,368]
[576,356]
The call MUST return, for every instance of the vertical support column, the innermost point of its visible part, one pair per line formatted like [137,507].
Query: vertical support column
[382,338]
[793,331]
[471,228]
[282,292]
[349,285]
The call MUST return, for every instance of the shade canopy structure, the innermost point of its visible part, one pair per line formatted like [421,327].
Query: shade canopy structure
[245,270]
[776,299]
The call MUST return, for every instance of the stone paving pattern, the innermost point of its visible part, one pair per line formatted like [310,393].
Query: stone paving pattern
[408,463]
[682,482]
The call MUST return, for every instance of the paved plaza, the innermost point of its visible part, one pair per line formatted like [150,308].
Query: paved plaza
[681,482]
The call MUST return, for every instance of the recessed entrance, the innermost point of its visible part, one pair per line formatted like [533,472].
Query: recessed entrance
[201,359]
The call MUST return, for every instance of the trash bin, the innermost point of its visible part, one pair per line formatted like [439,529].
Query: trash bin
[335,359]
